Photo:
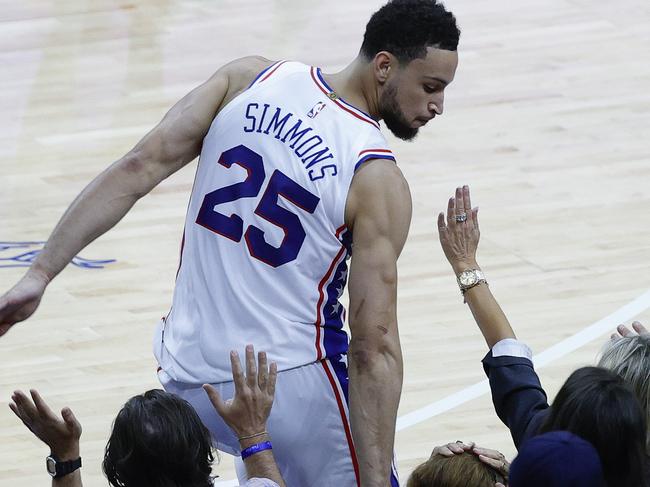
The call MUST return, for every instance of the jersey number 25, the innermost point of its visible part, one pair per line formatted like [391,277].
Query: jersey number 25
[232,226]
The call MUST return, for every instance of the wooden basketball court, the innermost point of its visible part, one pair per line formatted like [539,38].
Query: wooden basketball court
[548,121]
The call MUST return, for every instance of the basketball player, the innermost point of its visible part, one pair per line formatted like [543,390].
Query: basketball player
[294,173]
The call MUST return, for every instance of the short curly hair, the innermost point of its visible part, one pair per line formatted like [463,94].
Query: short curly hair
[405,28]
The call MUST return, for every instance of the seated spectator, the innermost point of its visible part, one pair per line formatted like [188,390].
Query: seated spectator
[628,355]
[159,440]
[557,459]
[459,465]
[519,399]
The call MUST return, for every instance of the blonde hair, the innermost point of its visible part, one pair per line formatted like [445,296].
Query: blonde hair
[457,471]
[629,357]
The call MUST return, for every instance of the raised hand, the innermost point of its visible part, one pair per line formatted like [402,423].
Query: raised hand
[20,302]
[61,434]
[246,413]
[460,234]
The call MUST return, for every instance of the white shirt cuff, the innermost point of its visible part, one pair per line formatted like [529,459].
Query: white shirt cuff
[258,482]
[512,348]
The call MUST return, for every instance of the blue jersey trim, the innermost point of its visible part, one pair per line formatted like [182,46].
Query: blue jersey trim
[262,72]
[373,156]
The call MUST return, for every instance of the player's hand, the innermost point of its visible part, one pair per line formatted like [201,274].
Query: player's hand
[247,412]
[61,434]
[624,331]
[20,302]
[459,240]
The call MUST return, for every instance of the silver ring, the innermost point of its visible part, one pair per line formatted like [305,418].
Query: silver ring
[461,218]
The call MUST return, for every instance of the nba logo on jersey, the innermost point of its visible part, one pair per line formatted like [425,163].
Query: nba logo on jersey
[316,109]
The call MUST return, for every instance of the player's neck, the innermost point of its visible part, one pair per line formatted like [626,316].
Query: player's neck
[352,84]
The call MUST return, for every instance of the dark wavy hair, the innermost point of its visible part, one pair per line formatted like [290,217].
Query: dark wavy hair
[405,28]
[597,405]
[158,440]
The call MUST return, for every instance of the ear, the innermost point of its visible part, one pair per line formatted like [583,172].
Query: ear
[384,64]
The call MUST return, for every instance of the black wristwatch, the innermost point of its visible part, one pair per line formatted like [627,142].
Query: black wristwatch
[58,469]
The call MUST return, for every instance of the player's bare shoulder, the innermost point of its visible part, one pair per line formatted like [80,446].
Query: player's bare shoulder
[241,73]
[378,177]
[379,190]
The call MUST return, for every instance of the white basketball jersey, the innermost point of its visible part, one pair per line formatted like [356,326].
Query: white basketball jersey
[264,252]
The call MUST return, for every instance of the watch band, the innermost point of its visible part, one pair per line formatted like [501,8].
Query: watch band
[58,469]
[478,278]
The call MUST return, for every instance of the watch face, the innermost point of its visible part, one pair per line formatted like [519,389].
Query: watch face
[50,464]
[467,278]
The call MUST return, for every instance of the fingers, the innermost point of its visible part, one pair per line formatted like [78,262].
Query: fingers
[458,201]
[467,203]
[237,372]
[624,331]
[71,421]
[451,449]
[215,399]
[489,453]
[445,451]
[26,410]
[639,328]
[273,376]
[458,448]
[451,212]
[41,406]
[441,221]
[263,370]
[251,367]
[493,462]
[457,205]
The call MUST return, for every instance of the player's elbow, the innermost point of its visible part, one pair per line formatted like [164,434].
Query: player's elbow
[136,173]
[382,346]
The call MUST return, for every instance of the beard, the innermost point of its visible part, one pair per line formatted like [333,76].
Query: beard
[393,116]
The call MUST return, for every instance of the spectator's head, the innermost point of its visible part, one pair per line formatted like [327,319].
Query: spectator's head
[597,405]
[457,471]
[158,440]
[629,357]
[556,459]
[411,45]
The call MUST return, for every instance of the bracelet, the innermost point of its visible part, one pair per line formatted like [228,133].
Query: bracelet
[253,436]
[256,448]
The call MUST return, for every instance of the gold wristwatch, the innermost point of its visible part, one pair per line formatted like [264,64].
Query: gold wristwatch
[470,278]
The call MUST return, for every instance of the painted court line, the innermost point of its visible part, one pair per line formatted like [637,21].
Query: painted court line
[606,325]
[559,350]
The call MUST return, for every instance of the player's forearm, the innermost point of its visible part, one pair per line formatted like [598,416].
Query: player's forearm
[96,209]
[375,372]
[261,465]
[488,315]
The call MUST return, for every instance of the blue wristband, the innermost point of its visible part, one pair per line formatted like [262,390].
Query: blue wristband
[256,448]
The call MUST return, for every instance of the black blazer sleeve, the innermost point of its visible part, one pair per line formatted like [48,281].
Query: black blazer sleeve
[518,397]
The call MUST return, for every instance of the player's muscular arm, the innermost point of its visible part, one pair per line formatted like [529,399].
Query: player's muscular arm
[379,213]
[173,143]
